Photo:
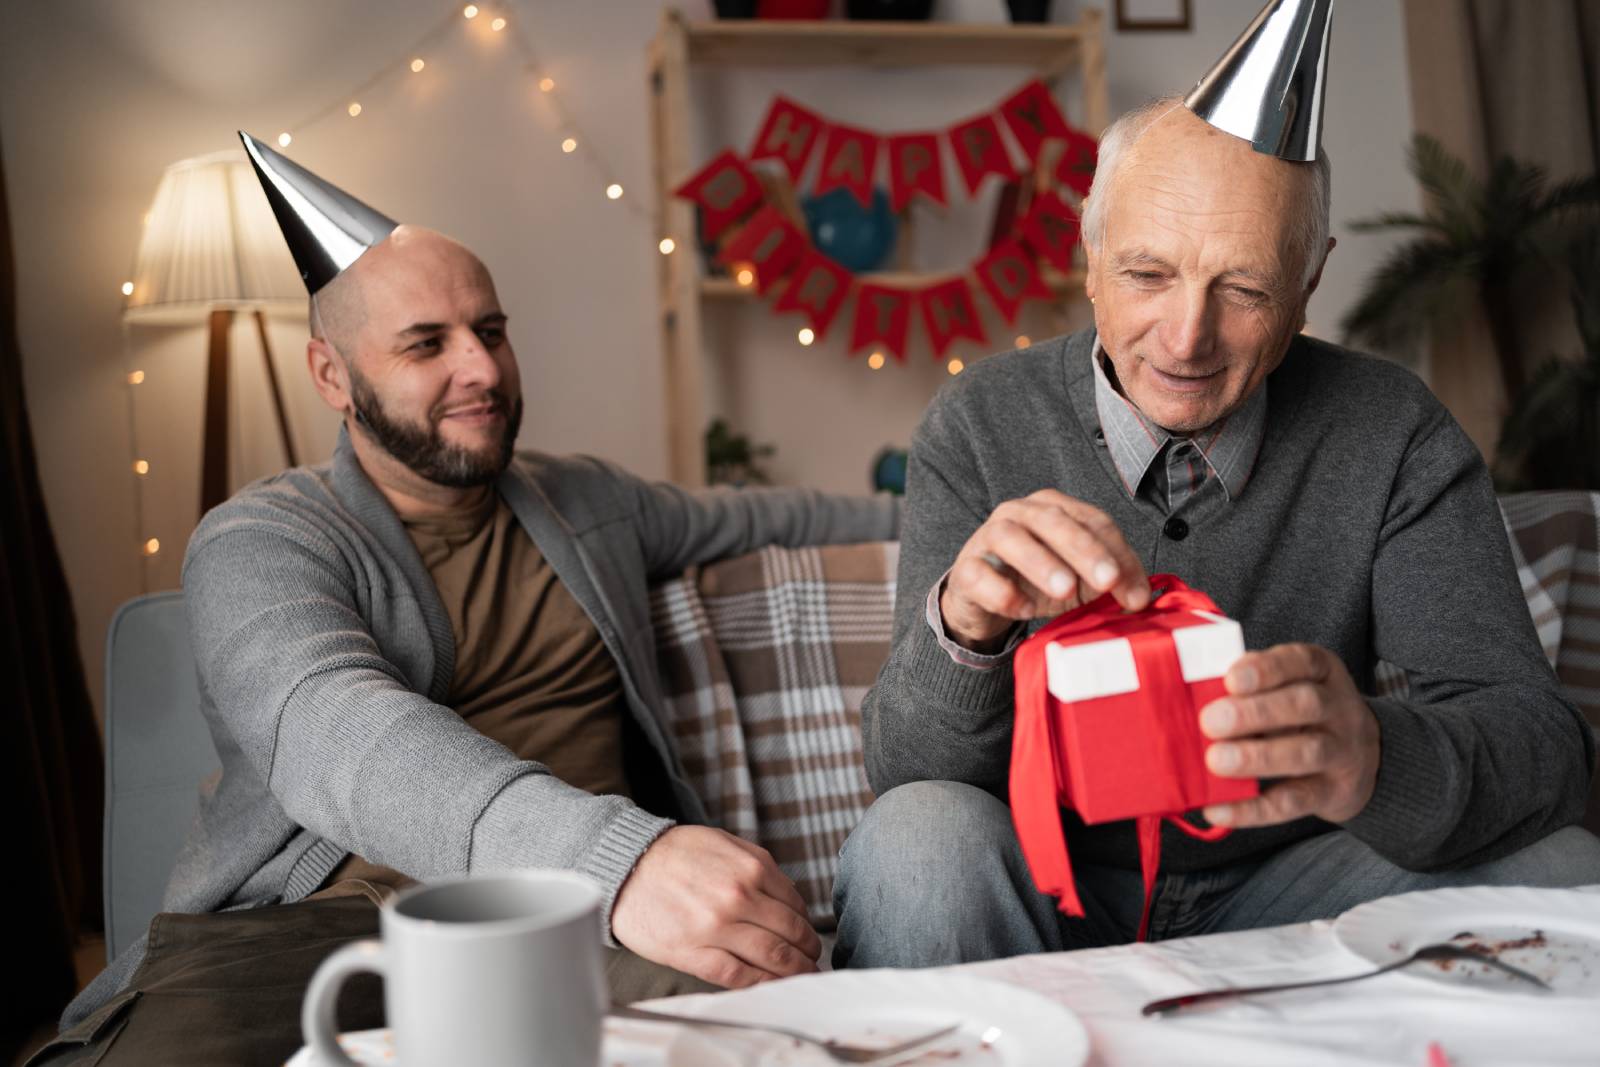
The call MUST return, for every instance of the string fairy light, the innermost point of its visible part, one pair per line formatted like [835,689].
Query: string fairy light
[955,366]
[573,141]
[806,336]
[875,361]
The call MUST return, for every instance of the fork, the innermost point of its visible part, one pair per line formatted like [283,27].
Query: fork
[838,1051]
[1426,952]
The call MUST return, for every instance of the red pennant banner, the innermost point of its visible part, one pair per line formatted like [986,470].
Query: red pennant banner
[816,288]
[788,134]
[768,244]
[848,159]
[725,189]
[1076,169]
[1051,229]
[883,317]
[948,313]
[980,152]
[915,167]
[1009,276]
[1033,117]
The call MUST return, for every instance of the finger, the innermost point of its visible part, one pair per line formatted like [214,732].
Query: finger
[1000,592]
[1294,706]
[776,904]
[1256,672]
[1303,752]
[1279,803]
[722,968]
[764,951]
[1090,543]
[1020,548]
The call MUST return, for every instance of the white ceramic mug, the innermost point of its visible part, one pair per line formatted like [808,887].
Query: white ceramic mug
[490,970]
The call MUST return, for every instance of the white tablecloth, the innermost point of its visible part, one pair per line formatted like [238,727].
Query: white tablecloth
[1388,1020]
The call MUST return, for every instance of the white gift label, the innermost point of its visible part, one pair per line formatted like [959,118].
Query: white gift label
[1106,668]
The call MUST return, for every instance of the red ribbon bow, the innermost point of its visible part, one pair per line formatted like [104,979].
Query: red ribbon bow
[1169,780]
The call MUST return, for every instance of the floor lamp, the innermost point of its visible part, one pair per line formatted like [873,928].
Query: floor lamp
[211,249]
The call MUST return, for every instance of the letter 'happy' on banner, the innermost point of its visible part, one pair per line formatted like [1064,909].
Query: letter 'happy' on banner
[788,134]
[948,313]
[1051,229]
[817,288]
[883,317]
[768,244]
[1009,276]
[1033,117]
[980,152]
[1076,169]
[915,167]
[849,157]
[725,189]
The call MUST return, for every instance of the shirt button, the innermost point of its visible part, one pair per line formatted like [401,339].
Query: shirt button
[1176,529]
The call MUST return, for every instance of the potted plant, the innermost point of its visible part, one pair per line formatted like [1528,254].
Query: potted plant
[731,459]
[1488,241]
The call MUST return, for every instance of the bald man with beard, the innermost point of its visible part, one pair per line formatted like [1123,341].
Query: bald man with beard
[432,656]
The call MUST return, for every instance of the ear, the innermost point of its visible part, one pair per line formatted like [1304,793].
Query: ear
[328,374]
[1316,279]
[1091,256]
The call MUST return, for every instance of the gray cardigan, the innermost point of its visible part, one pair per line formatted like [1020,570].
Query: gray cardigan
[1368,526]
[324,653]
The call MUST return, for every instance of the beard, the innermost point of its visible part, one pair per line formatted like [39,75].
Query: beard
[424,451]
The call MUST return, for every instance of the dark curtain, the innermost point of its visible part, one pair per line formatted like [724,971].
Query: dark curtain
[52,782]
[1493,78]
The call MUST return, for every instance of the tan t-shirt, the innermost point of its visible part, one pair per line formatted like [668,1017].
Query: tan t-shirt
[531,670]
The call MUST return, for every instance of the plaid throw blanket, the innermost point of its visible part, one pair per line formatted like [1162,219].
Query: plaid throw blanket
[766,659]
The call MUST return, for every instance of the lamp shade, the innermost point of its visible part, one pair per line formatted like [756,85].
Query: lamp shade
[210,241]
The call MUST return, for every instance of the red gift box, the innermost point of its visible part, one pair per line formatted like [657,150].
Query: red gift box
[1108,724]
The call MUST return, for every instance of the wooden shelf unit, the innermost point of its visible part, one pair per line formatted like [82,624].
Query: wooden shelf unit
[1047,50]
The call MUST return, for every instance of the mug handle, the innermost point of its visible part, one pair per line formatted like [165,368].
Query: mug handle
[317,1022]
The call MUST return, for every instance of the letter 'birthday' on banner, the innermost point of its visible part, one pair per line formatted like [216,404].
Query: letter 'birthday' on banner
[768,245]
[817,289]
[948,313]
[883,318]
[1052,229]
[1009,276]
[726,188]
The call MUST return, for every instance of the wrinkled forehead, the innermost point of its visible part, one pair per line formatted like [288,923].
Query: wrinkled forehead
[1183,177]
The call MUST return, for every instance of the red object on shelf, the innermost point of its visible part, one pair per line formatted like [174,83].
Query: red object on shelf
[793,9]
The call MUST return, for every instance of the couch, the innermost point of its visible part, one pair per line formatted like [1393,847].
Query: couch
[766,659]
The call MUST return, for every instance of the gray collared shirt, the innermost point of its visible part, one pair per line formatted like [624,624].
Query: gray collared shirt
[1187,465]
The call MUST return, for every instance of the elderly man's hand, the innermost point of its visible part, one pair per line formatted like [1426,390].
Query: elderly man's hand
[709,904]
[1037,557]
[1293,714]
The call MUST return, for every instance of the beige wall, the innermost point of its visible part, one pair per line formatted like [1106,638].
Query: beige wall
[97,96]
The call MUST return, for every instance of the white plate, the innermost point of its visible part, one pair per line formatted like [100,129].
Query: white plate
[1553,934]
[1001,1025]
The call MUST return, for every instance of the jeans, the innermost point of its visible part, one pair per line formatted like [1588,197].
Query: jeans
[934,875]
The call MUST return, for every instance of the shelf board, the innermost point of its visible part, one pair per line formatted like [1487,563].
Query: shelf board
[844,42]
[1062,286]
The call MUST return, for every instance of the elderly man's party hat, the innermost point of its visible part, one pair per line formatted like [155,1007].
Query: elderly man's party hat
[1269,87]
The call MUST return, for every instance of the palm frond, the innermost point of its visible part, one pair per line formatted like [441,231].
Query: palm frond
[1396,220]
[1418,281]
[1452,191]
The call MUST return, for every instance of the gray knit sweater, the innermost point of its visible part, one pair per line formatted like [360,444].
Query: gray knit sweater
[324,653]
[1368,526]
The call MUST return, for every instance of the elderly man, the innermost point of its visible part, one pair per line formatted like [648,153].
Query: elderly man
[433,656]
[1322,498]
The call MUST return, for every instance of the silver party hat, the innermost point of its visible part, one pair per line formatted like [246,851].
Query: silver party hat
[326,228]
[1268,88]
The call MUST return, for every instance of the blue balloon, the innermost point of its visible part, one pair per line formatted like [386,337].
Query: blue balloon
[858,239]
[889,471]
